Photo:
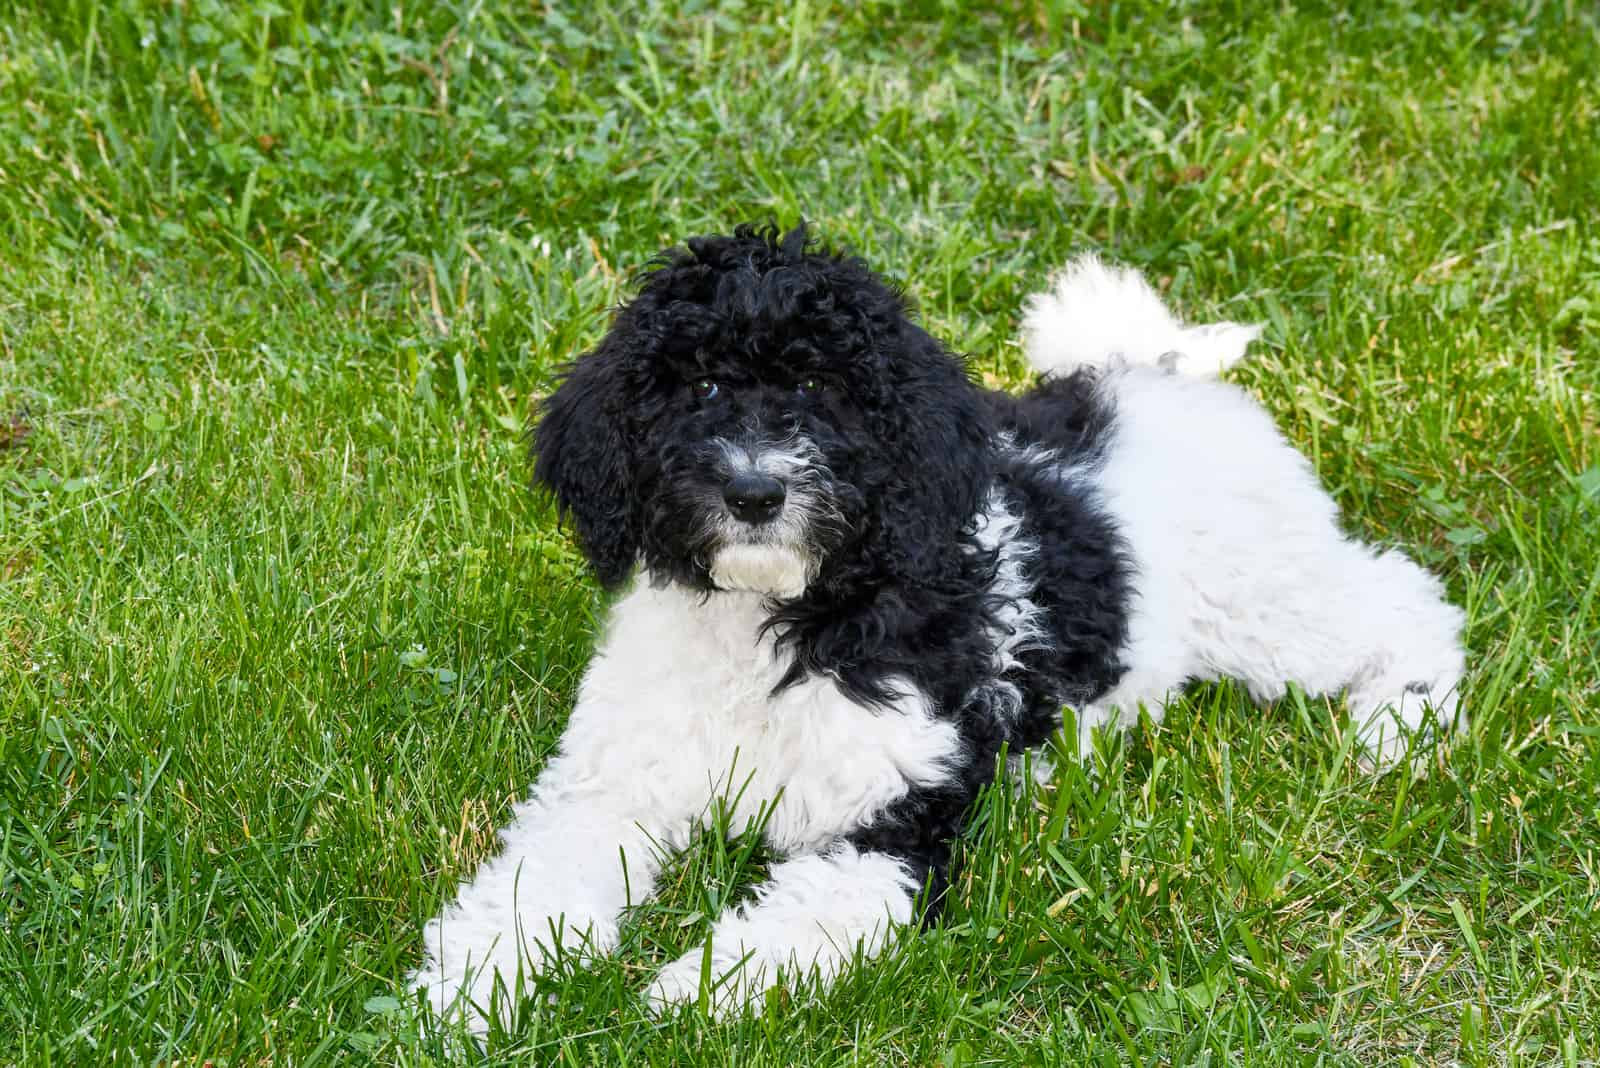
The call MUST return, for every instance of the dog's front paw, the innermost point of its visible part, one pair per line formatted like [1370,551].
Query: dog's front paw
[446,997]
[675,985]
[732,984]
[463,995]
[483,952]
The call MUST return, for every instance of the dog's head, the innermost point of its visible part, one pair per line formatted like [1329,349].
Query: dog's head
[764,416]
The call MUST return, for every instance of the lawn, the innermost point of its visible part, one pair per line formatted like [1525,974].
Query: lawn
[284,633]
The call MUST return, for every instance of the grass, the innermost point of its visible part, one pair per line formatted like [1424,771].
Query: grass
[283,633]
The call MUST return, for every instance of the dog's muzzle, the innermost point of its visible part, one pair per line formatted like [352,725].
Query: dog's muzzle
[765,532]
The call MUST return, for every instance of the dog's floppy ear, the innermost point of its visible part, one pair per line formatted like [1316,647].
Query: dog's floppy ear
[583,454]
[941,433]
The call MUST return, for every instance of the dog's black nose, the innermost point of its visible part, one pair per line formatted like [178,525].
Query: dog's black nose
[753,497]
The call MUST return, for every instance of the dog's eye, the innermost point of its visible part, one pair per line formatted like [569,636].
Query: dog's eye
[808,386]
[704,389]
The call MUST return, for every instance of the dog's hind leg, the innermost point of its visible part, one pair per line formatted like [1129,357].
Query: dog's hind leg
[1415,666]
[1342,618]
[1241,569]
[1371,624]
[1239,566]
[1119,709]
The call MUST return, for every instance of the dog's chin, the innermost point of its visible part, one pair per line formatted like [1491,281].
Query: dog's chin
[775,570]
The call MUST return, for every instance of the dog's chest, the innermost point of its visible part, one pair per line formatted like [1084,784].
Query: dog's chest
[691,679]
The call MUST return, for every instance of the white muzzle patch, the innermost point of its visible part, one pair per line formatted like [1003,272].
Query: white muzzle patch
[776,570]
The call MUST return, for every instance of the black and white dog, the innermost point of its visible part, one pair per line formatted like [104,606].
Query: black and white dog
[852,576]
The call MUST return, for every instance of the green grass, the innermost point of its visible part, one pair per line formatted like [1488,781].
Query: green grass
[283,633]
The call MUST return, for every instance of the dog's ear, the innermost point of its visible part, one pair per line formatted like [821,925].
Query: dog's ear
[941,432]
[583,454]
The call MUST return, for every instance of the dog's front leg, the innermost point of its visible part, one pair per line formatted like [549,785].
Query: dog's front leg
[581,849]
[812,916]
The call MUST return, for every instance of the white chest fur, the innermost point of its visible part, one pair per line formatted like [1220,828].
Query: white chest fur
[679,702]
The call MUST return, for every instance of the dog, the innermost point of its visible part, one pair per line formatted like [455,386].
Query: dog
[849,579]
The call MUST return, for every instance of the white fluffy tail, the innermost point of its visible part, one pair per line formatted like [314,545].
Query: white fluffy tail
[1094,315]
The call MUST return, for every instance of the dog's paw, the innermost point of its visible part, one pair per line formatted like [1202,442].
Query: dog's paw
[459,998]
[1386,723]
[482,958]
[1092,719]
[732,985]
[674,986]
[470,972]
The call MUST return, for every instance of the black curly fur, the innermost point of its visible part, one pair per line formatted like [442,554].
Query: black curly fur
[912,449]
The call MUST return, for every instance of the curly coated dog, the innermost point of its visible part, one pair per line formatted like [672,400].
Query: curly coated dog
[849,578]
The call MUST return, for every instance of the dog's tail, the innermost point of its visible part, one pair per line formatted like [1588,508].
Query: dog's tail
[1095,315]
